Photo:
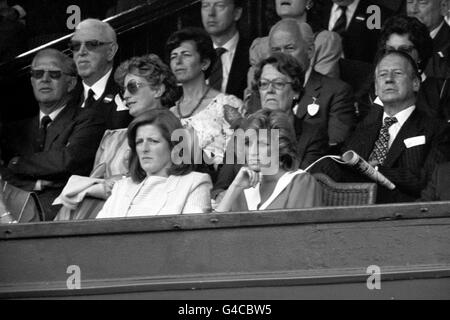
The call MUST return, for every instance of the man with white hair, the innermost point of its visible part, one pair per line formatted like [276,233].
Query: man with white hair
[326,101]
[94,46]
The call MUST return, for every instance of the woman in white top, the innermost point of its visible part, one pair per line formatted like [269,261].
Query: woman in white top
[157,186]
[209,112]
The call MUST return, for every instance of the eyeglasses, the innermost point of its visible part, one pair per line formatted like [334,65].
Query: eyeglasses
[133,87]
[39,74]
[90,45]
[277,84]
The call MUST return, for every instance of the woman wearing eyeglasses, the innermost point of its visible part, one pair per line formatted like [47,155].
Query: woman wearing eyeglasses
[147,84]
[278,80]
[270,180]
[209,112]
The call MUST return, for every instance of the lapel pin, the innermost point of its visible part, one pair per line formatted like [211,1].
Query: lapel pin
[108,99]
[313,108]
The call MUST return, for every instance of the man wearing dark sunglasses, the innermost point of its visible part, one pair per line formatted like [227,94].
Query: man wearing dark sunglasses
[94,46]
[41,153]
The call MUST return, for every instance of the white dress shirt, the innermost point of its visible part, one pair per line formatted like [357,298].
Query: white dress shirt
[52,115]
[99,87]
[402,117]
[227,59]
[336,13]
[434,33]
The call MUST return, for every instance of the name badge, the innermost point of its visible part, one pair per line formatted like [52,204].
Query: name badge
[313,108]
[360,18]
[415,141]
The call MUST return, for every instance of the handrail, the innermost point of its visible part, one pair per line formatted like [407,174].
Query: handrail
[316,216]
[124,22]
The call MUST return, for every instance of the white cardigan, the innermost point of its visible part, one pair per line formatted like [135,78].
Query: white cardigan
[183,195]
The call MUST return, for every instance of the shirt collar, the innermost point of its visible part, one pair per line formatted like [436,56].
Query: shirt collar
[351,9]
[402,116]
[99,87]
[231,45]
[434,33]
[52,115]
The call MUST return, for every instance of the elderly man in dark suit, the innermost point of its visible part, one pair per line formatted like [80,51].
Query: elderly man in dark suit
[326,102]
[352,20]
[220,19]
[41,153]
[94,46]
[398,139]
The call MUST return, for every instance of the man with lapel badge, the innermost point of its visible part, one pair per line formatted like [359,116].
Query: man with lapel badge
[399,140]
[220,19]
[94,45]
[326,102]
[41,153]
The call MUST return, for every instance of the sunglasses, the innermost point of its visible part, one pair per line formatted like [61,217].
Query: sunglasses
[133,87]
[91,45]
[39,74]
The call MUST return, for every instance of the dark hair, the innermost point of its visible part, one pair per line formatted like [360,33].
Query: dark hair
[203,44]
[167,123]
[417,33]
[155,72]
[276,119]
[286,65]
[407,57]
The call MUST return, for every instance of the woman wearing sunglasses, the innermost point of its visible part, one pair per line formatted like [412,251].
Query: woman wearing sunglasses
[157,186]
[209,112]
[147,84]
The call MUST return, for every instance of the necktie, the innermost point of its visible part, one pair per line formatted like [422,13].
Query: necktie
[43,133]
[341,23]
[381,149]
[89,102]
[216,78]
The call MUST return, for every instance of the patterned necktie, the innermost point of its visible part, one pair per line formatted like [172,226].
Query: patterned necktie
[341,23]
[89,102]
[43,133]
[382,144]
[216,78]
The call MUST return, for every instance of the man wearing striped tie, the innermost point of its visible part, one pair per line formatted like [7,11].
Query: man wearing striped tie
[398,140]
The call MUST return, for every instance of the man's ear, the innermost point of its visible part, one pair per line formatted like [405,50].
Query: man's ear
[311,51]
[113,48]
[238,14]
[72,84]
[416,84]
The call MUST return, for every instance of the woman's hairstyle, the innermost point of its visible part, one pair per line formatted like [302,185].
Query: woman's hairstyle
[286,65]
[278,120]
[203,44]
[155,72]
[167,123]
[417,33]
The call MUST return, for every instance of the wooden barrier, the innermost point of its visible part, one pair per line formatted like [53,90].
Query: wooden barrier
[320,253]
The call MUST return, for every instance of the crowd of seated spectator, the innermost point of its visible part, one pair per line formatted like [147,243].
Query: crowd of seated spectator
[213,86]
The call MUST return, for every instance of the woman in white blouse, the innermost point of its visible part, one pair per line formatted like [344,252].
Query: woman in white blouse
[157,186]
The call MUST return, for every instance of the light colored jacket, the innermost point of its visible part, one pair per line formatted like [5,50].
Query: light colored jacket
[186,194]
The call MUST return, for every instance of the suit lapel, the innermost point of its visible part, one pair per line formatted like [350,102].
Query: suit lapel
[59,125]
[312,90]
[238,71]
[410,129]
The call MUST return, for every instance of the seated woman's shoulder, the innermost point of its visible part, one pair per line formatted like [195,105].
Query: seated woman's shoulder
[198,177]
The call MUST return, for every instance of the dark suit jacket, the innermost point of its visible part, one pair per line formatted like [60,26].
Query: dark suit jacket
[438,188]
[358,41]
[70,148]
[237,80]
[337,106]
[312,144]
[105,108]
[442,39]
[408,168]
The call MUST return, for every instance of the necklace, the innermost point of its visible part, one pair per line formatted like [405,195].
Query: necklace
[196,107]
